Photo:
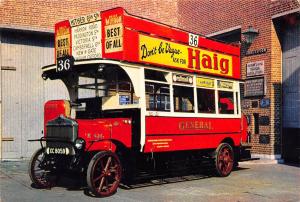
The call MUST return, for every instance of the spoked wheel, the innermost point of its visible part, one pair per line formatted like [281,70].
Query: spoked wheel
[224,160]
[104,174]
[40,175]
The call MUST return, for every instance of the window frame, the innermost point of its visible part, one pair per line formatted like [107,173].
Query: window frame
[193,103]
[214,92]
[235,90]
[166,74]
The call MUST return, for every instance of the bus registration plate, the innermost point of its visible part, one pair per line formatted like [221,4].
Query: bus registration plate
[51,150]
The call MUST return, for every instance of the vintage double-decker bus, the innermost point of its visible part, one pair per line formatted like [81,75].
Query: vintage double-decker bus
[142,95]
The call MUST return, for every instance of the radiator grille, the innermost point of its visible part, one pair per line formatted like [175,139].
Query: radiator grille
[62,132]
[62,128]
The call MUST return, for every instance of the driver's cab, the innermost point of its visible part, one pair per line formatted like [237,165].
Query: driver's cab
[96,88]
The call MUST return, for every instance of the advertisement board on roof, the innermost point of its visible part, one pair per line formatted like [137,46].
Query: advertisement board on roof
[86,37]
[115,34]
[162,52]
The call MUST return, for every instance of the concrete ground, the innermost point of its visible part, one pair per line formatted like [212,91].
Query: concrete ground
[252,182]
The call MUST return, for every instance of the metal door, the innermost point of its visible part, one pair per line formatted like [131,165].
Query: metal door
[291,90]
[24,91]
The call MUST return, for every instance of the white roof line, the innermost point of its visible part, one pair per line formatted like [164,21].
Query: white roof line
[94,61]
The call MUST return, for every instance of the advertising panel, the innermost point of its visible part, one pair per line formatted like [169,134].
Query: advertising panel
[205,82]
[86,37]
[225,84]
[180,78]
[62,41]
[113,33]
[163,52]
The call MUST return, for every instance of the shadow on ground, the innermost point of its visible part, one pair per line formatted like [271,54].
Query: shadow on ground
[292,164]
[77,181]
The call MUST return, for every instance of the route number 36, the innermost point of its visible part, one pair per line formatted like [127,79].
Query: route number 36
[193,40]
[64,64]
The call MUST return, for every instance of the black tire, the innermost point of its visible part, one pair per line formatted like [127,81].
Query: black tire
[104,174]
[224,160]
[40,177]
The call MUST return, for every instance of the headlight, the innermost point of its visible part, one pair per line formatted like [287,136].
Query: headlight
[79,143]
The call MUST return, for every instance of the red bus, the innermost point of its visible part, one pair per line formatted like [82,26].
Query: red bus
[142,95]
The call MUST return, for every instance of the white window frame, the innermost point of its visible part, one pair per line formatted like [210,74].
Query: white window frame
[172,113]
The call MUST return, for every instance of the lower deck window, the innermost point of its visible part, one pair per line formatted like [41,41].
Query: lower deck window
[157,97]
[183,99]
[206,100]
[226,102]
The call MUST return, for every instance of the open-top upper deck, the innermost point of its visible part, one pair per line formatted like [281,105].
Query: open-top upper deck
[116,35]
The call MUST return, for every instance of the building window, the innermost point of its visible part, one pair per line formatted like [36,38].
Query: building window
[183,99]
[206,100]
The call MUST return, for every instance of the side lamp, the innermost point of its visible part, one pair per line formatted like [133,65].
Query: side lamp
[250,34]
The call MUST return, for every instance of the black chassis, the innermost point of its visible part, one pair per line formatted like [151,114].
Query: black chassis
[74,161]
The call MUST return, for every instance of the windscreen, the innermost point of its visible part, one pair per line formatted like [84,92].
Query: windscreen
[93,89]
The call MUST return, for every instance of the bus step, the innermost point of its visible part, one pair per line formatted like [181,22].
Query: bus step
[161,181]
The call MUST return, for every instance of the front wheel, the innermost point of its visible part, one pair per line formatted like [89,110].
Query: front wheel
[224,159]
[40,175]
[104,174]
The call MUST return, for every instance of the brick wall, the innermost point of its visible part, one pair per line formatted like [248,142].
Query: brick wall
[199,16]
[42,15]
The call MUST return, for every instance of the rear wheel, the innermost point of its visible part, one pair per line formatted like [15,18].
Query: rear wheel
[104,174]
[224,159]
[40,175]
